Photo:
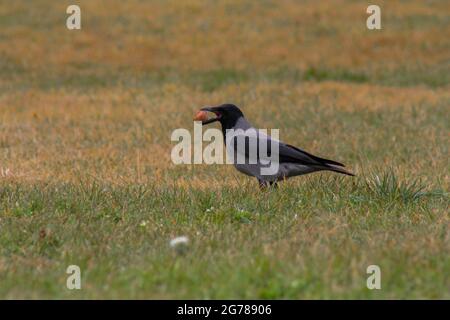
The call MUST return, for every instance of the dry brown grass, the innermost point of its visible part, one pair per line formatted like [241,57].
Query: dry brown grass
[124,136]
[202,35]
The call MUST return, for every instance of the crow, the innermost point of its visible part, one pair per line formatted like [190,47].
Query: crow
[252,151]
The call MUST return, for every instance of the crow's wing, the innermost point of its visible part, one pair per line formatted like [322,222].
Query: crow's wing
[315,158]
[244,143]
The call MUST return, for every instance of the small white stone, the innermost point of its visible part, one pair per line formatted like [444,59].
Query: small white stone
[143,223]
[179,241]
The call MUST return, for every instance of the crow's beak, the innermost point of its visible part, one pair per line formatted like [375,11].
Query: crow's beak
[213,110]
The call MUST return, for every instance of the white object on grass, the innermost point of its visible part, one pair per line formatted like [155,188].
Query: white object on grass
[179,241]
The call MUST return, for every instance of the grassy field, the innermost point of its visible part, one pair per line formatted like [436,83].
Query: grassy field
[86,176]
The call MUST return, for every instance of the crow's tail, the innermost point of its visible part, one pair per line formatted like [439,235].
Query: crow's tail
[338,169]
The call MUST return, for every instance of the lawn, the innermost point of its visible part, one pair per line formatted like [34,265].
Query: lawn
[86,176]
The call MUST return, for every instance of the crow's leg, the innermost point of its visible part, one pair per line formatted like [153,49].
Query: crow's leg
[274,184]
[262,184]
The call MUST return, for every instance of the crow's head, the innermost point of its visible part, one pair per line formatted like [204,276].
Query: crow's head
[226,114]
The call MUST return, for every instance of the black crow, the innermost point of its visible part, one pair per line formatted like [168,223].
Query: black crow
[259,155]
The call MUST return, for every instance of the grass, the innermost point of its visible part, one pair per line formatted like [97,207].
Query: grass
[301,242]
[85,170]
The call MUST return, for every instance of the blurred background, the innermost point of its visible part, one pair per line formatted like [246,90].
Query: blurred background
[208,44]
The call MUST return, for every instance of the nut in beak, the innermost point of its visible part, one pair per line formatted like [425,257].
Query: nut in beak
[201,116]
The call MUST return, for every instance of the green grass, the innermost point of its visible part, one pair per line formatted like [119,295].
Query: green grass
[87,77]
[298,242]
